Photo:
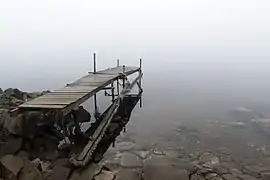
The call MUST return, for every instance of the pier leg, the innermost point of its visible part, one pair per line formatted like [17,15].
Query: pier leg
[95,96]
[140,83]
[118,90]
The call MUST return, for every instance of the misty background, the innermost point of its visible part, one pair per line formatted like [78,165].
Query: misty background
[199,56]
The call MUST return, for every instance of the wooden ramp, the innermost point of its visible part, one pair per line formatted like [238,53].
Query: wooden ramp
[74,94]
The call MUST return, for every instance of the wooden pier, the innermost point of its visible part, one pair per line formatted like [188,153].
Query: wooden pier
[60,103]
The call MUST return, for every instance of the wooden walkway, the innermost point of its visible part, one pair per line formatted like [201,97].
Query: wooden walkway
[74,94]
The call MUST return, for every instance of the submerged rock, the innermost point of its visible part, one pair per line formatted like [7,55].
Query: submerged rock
[130,160]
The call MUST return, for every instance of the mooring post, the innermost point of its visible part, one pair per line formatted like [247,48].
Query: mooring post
[95,96]
[118,91]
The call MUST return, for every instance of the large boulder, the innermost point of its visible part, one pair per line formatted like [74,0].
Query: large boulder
[14,93]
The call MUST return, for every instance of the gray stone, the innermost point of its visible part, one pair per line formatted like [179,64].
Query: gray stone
[130,160]
[229,177]
[142,154]
[105,175]
[247,177]
[236,172]
[209,160]
[12,163]
[125,146]
[211,175]
[161,172]
[59,172]
[196,177]
[30,172]
[265,176]
[130,174]
[86,173]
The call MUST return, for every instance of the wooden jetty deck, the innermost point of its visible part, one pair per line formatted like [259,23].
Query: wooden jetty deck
[74,94]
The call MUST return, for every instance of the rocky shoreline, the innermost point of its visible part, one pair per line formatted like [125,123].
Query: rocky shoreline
[217,152]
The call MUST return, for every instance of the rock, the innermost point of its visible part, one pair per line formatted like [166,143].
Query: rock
[236,172]
[255,170]
[86,173]
[161,172]
[211,175]
[41,165]
[30,172]
[142,154]
[15,124]
[4,117]
[130,174]
[12,146]
[265,176]
[196,177]
[130,160]
[62,162]
[23,155]
[49,155]
[157,152]
[1,91]
[59,172]
[247,177]
[12,163]
[14,93]
[229,177]
[105,175]
[209,160]
[81,115]
[125,146]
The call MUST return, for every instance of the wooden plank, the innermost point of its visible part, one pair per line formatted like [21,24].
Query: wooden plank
[41,106]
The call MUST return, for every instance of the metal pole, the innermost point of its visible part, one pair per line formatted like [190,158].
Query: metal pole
[118,91]
[95,96]
[95,69]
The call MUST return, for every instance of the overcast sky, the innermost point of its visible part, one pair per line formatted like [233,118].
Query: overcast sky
[54,36]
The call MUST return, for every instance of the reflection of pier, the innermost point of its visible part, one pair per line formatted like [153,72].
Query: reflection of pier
[59,109]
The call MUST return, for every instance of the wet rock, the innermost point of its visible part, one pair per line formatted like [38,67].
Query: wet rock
[196,177]
[265,176]
[130,160]
[142,154]
[247,177]
[59,172]
[12,163]
[86,173]
[229,177]
[130,174]
[161,172]
[255,170]
[209,160]
[211,175]
[30,172]
[236,172]
[125,146]
[105,175]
